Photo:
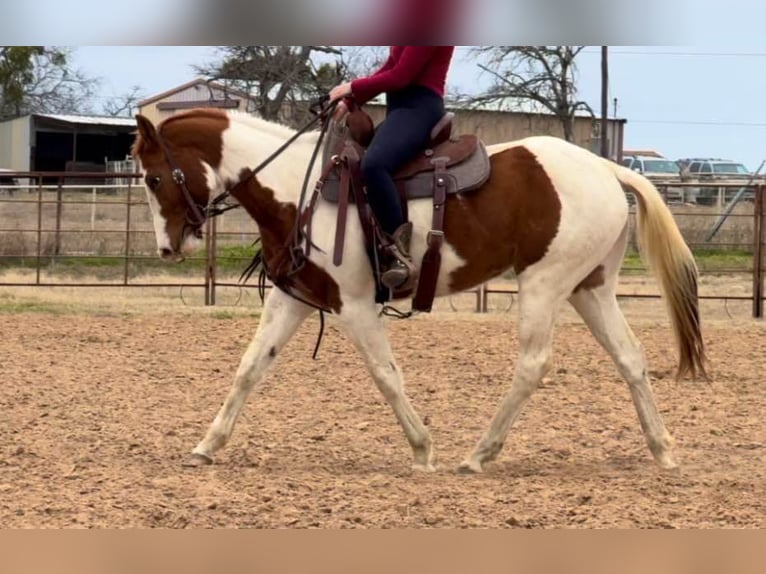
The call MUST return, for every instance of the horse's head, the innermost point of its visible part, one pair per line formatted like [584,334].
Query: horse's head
[179,161]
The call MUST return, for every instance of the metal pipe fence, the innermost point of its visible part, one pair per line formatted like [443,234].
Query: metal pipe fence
[54,223]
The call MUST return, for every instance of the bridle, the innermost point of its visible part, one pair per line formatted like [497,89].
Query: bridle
[197,215]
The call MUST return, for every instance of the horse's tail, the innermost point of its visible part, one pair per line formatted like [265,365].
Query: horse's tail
[663,247]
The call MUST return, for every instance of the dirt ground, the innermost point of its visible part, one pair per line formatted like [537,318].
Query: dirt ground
[98,408]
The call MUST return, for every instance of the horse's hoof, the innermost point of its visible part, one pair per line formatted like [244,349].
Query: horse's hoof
[470,467]
[424,468]
[197,460]
[670,469]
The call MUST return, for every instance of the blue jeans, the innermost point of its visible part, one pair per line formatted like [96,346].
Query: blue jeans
[411,115]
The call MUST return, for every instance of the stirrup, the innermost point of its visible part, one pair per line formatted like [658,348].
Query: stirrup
[401,276]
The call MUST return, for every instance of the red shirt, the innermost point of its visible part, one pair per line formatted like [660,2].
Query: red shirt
[407,65]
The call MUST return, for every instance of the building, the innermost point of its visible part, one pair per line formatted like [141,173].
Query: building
[54,142]
[47,142]
[494,125]
[198,93]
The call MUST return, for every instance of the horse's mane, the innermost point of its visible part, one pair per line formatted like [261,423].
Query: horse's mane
[275,129]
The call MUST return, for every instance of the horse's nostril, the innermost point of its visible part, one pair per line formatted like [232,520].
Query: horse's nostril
[165,252]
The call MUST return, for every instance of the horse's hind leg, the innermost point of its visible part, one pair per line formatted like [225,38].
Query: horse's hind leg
[368,333]
[600,311]
[537,313]
[281,317]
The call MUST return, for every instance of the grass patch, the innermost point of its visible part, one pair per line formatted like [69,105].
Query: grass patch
[13,306]
[233,259]
[710,260]
[230,259]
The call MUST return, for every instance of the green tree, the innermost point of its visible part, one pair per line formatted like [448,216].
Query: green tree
[40,79]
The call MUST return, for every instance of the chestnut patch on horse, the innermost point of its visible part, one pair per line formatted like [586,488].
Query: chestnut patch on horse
[594,279]
[508,223]
[276,222]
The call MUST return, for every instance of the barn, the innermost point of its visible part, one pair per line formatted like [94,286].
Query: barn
[54,142]
[198,93]
[495,124]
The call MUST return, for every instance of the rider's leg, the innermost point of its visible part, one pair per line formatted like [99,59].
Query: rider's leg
[400,137]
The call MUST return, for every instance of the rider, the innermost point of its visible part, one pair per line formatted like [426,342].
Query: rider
[413,79]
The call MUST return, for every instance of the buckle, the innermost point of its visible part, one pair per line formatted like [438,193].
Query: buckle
[435,234]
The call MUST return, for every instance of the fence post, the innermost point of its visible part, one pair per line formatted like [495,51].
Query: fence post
[759,235]
[93,212]
[59,198]
[481,298]
[210,261]
[126,267]
[39,229]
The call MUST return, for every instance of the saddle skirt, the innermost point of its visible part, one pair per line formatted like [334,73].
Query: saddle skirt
[465,156]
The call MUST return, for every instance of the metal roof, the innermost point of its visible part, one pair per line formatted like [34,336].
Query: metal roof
[90,120]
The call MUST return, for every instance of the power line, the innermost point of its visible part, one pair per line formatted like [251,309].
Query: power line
[700,123]
[683,54]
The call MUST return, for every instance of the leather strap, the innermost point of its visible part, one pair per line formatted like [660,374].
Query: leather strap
[357,185]
[340,227]
[307,217]
[403,201]
[431,266]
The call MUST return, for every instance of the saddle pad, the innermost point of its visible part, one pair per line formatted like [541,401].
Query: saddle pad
[466,176]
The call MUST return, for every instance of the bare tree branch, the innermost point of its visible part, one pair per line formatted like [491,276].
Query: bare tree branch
[280,79]
[123,106]
[544,75]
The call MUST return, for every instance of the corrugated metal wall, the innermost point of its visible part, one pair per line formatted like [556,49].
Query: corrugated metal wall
[499,127]
[15,144]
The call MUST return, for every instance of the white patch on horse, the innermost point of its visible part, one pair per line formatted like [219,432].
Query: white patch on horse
[159,222]
[248,141]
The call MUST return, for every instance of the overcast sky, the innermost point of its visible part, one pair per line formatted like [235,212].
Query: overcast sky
[702,100]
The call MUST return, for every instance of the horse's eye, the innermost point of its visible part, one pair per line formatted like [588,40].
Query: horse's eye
[153,182]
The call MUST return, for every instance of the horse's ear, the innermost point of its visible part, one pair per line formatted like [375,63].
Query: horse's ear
[146,129]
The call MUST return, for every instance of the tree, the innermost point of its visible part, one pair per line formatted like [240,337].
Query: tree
[543,75]
[281,79]
[358,61]
[40,79]
[124,105]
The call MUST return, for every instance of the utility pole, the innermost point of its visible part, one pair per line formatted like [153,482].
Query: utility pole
[604,101]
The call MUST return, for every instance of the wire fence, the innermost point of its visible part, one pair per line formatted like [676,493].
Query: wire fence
[95,230]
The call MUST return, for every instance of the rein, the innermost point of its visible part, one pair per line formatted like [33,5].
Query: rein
[214,209]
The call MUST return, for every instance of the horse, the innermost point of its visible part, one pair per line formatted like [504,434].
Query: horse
[552,212]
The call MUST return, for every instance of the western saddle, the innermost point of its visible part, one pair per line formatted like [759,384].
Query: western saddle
[448,165]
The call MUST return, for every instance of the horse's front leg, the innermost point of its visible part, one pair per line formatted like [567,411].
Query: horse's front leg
[367,331]
[282,315]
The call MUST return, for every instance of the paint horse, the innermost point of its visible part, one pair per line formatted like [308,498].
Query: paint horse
[551,211]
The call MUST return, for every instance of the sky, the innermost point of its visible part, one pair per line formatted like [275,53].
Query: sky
[683,101]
